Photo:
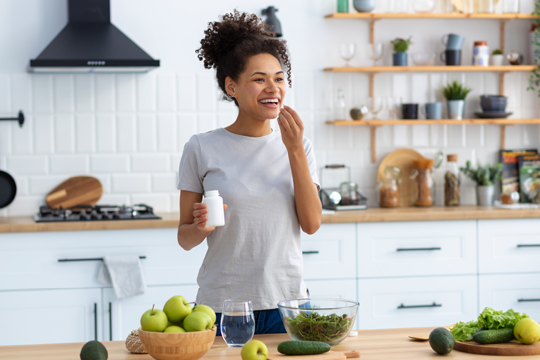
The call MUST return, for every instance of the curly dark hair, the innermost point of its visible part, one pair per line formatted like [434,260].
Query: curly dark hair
[229,43]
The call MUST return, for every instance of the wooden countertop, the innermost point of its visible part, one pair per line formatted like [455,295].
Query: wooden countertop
[170,220]
[372,344]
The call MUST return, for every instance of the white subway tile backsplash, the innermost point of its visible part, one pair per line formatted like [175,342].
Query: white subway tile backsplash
[420,136]
[21,93]
[125,92]
[105,181]
[401,135]
[42,185]
[146,92]
[150,163]
[126,134]
[166,132]
[123,184]
[63,93]
[225,119]
[5,106]
[114,199]
[68,164]
[84,92]
[42,93]
[25,205]
[109,164]
[105,133]
[164,183]
[160,202]
[304,90]
[166,92]
[187,127]
[22,185]
[146,133]
[175,202]
[64,133]
[27,165]
[5,138]
[206,92]
[206,122]
[175,162]
[105,94]
[187,92]
[43,134]
[22,138]
[85,133]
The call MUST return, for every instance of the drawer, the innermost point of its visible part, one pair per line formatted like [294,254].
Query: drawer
[330,253]
[30,260]
[416,248]
[509,246]
[417,302]
[518,292]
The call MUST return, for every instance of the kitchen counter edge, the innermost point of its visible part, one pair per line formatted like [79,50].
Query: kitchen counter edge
[170,220]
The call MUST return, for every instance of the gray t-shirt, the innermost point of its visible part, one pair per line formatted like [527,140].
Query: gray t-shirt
[257,255]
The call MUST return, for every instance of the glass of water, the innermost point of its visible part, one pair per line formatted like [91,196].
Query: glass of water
[237,322]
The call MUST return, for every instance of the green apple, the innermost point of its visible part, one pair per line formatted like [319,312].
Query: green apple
[198,321]
[207,309]
[254,350]
[177,308]
[154,320]
[527,331]
[174,329]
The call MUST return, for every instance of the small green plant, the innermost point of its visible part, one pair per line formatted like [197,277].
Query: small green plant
[455,91]
[497,52]
[401,45]
[483,175]
[534,79]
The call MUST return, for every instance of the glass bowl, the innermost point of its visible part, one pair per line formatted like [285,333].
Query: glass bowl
[326,320]
[424,59]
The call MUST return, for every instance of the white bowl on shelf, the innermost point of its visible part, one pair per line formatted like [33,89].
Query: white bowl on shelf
[423,59]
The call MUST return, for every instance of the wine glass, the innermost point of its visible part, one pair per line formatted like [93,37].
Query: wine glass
[375,106]
[394,106]
[377,52]
[347,52]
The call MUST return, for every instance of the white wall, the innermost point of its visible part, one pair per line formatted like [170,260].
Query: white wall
[129,130]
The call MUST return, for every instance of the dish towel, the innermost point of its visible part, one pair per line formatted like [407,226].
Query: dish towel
[125,274]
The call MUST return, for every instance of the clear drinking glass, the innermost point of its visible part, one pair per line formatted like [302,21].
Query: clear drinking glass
[393,105]
[347,52]
[237,322]
[377,52]
[375,106]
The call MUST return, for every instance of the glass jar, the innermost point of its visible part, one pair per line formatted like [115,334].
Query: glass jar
[388,193]
[452,180]
[424,187]
[349,193]
[342,6]
[510,6]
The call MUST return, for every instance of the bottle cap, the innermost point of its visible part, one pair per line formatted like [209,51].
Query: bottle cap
[480,43]
[451,157]
[211,193]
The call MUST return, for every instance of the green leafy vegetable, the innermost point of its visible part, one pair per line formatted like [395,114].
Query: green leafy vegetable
[489,319]
[312,326]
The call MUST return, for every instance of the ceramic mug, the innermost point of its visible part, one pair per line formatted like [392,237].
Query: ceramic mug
[409,111]
[451,57]
[432,110]
[453,41]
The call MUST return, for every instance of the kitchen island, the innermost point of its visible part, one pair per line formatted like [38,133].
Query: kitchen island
[383,344]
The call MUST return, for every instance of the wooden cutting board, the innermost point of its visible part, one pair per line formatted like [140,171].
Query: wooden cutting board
[78,190]
[513,348]
[329,355]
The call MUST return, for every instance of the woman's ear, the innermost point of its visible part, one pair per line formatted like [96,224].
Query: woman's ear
[230,87]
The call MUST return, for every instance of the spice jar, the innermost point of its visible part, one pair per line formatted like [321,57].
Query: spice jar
[452,181]
[388,193]
[424,188]
[349,193]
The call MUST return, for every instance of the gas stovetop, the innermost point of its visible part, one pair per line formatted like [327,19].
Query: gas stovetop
[96,213]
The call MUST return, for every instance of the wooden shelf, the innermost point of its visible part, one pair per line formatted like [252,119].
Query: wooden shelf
[442,68]
[433,122]
[429,16]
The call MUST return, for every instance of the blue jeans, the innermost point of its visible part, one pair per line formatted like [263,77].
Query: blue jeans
[266,322]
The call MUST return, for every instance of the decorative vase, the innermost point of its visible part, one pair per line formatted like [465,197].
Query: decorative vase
[485,195]
[364,5]
[399,59]
[455,109]
[497,60]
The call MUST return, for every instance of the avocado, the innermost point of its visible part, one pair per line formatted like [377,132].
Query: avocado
[303,347]
[94,350]
[494,336]
[441,341]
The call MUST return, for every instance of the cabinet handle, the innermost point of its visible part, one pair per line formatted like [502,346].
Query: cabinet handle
[526,300]
[418,306]
[90,259]
[110,321]
[528,245]
[310,252]
[419,249]
[95,321]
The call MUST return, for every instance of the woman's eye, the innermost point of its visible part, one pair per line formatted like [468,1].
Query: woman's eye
[279,79]
[259,79]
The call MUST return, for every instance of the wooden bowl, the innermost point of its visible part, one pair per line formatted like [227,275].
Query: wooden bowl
[177,346]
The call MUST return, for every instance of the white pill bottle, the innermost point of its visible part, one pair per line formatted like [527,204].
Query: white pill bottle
[214,205]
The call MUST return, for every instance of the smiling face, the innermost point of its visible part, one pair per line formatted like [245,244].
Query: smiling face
[260,88]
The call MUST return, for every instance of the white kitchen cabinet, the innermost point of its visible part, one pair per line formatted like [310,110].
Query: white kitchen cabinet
[509,246]
[123,316]
[50,316]
[165,261]
[416,248]
[417,301]
[520,292]
[330,253]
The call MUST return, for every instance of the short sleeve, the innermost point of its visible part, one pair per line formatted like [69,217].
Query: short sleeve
[312,163]
[189,173]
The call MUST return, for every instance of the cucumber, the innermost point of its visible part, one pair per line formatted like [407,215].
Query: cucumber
[494,336]
[303,347]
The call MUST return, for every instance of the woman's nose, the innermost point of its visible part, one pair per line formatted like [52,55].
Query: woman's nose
[272,87]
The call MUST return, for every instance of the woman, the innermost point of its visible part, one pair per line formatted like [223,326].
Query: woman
[267,178]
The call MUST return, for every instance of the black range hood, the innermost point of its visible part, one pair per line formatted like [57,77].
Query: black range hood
[90,43]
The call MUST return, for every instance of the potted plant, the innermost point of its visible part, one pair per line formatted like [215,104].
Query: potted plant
[497,57]
[399,58]
[485,181]
[455,94]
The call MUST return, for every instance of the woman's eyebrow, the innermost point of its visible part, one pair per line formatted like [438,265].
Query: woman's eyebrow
[263,73]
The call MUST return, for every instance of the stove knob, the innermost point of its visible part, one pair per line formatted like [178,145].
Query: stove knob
[94,215]
[116,215]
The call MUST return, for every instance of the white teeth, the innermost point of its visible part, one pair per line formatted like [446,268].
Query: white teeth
[264,101]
